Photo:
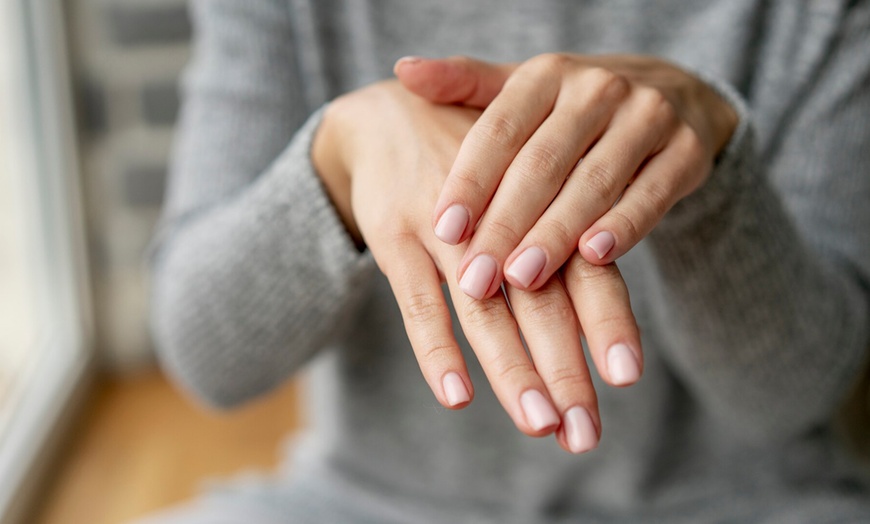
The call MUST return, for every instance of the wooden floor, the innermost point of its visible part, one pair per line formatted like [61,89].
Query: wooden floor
[142,446]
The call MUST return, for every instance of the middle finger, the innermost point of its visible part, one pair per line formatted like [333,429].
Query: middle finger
[550,328]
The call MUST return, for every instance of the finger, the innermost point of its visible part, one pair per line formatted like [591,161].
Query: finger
[415,284]
[454,80]
[492,332]
[534,178]
[600,298]
[490,146]
[667,177]
[549,326]
[637,131]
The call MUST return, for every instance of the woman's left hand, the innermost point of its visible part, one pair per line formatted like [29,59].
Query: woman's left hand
[571,150]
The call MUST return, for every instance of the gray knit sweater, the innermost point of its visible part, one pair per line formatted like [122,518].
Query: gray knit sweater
[753,295]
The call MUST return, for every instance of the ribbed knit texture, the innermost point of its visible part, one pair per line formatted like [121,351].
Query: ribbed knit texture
[753,295]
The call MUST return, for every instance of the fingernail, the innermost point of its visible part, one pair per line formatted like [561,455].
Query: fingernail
[526,267]
[452,224]
[601,243]
[622,366]
[539,413]
[408,60]
[479,276]
[580,430]
[454,389]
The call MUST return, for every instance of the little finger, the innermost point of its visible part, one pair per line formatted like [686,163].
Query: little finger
[601,300]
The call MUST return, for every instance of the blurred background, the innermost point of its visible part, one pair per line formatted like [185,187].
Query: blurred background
[90,430]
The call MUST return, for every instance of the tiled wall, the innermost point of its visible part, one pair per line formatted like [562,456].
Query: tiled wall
[127,56]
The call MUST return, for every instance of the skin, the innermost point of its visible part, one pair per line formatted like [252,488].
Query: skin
[382,154]
[647,133]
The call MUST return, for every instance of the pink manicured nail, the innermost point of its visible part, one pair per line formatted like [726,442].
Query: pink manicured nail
[539,413]
[601,243]
[479,276]
[580,430]
[526,267]
[622,366]
[452,224]
[454,389]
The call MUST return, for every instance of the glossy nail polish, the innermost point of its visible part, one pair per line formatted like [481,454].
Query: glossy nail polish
[601,243]
[454,389]
[452,224]
[478,276]
[526,267]
[539,412]
[622,366]
[580,430]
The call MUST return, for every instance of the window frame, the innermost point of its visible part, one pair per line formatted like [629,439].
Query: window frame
[49,162]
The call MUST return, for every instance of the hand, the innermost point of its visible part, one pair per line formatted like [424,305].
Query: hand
[391,151]
[571,151]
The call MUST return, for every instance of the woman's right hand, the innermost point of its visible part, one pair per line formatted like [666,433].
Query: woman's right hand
[383,154]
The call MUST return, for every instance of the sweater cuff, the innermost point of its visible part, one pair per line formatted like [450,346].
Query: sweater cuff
[320,213]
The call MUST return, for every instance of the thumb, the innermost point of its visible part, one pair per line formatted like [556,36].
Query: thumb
[454,80]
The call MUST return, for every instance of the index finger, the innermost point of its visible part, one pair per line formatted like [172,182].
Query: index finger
[414,280]
[490,147]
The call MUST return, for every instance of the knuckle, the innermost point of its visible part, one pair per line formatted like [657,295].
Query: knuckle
[607,82]
[469,183]
[511,370]
[581,271]
[655,107]
[435,352]
[627,224]
[563,378]
[500,130]
[658,197]
[549,62]
[598,177]
[558,233]
[548,306]
[389,259]
[544,162]
[422,308]
[613,320]
[503,230]
[480,314]
[650,97]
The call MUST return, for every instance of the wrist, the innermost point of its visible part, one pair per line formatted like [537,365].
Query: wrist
[329,163]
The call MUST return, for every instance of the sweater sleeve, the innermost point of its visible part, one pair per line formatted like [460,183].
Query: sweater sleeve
[763,275]
[252,269]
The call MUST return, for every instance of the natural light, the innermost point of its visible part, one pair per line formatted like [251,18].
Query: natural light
[16,279]
[43,319]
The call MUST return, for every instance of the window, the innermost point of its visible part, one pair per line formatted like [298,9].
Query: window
[44,313]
